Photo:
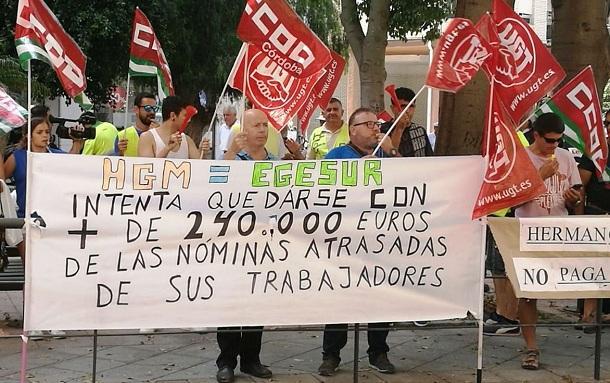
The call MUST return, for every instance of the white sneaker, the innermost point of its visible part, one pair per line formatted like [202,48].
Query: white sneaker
[58,334]
[35,335]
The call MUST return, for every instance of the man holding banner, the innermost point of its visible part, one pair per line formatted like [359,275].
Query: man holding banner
[557,168]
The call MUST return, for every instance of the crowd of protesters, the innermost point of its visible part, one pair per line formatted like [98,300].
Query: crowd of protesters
[253,138]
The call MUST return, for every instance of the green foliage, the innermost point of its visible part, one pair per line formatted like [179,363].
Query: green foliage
[413,16]
[15,79]
[323,17]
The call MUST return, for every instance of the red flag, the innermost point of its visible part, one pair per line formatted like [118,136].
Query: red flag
[459,55]
[510,177]
[39,35]
[323,90]
[391,90]
[578,105]
[146,55]
[524,68]
[269,87]
[275,29]
[486,28]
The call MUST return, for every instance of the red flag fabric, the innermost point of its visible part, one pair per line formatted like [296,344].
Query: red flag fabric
[146,54]
[459,55]
[578,101]
[323,90]
[525,70]
[391,90]
[269,87]
[486,28]
[278,31]
[510,177]
[384,116]
[39,35]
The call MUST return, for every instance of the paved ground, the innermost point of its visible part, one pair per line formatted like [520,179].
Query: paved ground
[422,355]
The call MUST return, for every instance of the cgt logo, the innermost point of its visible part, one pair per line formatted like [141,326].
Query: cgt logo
[283,47]
[502,161]
[516,61]
[271,86]
[60,59]
[582,97]
[468,57]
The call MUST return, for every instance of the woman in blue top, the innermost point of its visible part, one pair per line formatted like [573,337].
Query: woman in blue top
[16,164]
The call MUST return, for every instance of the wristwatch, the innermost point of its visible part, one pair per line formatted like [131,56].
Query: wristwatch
[394,152]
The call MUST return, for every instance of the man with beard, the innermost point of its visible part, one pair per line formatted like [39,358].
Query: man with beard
[331,134]
[144,107]
[364,136]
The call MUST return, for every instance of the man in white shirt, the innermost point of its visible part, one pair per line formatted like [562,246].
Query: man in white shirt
[223,133]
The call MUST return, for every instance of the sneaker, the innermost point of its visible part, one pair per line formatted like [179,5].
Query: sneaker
[382,364]
[35,335]
[329,366]
[498,325]
[58,334]
[421,323]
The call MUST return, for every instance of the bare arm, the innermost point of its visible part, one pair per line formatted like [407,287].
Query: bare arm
[9,167]
[146,145]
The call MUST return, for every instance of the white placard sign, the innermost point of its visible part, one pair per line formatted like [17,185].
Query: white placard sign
[572,233]
[563,274]
[152,243]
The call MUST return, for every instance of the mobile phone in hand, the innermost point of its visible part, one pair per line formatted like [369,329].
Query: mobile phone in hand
[577,187]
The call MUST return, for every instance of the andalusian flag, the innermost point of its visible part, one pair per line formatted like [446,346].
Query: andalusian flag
[577,103]
[40,36]
[147,57]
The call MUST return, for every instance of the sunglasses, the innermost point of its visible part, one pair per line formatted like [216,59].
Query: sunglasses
[369,124]
[553,140]
[150,108]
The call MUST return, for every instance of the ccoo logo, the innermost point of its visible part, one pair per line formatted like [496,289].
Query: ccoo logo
[270,85]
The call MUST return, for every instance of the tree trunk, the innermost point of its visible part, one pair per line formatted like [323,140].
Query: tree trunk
[369,49]
[580,37]
[462,115]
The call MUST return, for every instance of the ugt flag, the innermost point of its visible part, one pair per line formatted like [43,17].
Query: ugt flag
[510,177]
[577,103]
[459,55]
[147,57]
[39,35]
[323,90]
[524,68]
[280,34]
[269,87]
[12,115]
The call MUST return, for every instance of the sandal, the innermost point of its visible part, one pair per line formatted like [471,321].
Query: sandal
[531,360]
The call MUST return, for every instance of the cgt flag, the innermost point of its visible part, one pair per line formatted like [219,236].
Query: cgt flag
[147,57]
[40,36]
[524,68]
[459,55]
[510,177]
[278,31]
[275,91]
[577,103]
[323,90]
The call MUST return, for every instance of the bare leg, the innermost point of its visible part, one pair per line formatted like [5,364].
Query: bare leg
[528,315]
[589,309]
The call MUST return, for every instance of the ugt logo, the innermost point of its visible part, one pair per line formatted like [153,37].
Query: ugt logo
[468,57]
[502,161]
[516,61]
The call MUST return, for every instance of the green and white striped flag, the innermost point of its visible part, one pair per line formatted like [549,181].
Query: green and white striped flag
[12,115]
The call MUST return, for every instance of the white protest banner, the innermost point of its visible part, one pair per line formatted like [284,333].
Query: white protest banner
[567,274]
[575,233]
[153,243]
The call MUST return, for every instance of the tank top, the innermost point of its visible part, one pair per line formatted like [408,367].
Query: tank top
[183,151]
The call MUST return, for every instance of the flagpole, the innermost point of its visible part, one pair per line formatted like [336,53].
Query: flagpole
[245,89]
[127,100]
[398,119]
[224,89]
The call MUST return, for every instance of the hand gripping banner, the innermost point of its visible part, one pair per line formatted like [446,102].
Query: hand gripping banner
[278,31]
[146,55]
[39,35]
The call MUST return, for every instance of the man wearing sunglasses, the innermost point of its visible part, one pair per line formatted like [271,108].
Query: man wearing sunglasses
[410,138]
[145,108]
[559,171]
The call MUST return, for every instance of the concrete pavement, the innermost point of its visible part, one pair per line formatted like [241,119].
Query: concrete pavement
[422,355]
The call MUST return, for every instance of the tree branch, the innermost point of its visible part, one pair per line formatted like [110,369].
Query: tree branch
[353,30]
